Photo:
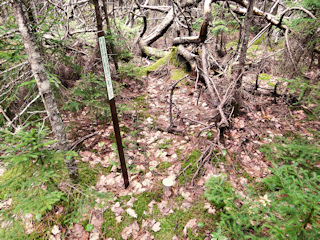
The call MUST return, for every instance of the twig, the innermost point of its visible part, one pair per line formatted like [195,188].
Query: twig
[6,117]
[10,69]
[200,158]
[200,166]
[74,144]
[195,121]
[289,50]
[20,113]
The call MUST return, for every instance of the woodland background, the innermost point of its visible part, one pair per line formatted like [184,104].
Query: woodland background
[221,97]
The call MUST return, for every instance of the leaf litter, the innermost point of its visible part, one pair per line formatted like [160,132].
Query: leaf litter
[153,147]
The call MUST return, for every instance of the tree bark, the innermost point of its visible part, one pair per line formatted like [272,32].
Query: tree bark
[111,45]
[43,84]
[242,58]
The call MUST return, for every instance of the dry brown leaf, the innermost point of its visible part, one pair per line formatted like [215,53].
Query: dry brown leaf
[132,229]
[119,219]
[192,223]
[156,227]
[28,224]
[146,236]
[132,213]
[79,232]
[94,234]
[55,230]
[131,202]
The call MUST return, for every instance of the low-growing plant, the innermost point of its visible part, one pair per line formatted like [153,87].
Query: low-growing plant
[129,70]
[287,208]
[35,182]
[307,93]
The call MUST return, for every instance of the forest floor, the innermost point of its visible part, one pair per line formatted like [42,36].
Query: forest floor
[144,210]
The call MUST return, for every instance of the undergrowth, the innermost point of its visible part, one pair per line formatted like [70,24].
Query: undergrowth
[35,182]
[287,208]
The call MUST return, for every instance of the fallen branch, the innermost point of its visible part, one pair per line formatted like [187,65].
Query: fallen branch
[199,159]
[203,161]
[74,144]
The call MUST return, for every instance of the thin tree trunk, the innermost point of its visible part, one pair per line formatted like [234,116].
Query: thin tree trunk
[242,58]
[111,45]
[42,81]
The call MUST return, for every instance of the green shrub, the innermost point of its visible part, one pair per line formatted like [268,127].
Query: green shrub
[32,180]
[287,208]
[91,93]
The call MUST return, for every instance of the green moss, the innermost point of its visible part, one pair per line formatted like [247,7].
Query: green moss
[232,44]
[173,224]
[161,62]
[141,204]
[89,175]
[178,74]
[194,156]
[110,227]
[170,58]
[264,76]
[163,166]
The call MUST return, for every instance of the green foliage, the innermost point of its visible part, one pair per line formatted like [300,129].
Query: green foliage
[295,193]
[30,179]
[297,149]
[91,93]
[288,207]
[312,5]
[35,181]
[309,93]
[129,70]
[219,27]
[219,191]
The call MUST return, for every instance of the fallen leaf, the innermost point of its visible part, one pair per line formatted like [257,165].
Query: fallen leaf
[119,219]
[131,202]
[192,223]
[55,230]
[77,230]
[133,229]
[28,224]
[210,209]
[156,227]
[132,213]
[94,235]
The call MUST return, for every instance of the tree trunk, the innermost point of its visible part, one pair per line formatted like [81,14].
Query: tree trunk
[242,58]
[42,81]
[111,45]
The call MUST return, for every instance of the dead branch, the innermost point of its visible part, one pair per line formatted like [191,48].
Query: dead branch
[212,88]
[200,158]
[289,50]
[190,57]
[207,18]
[6,117]
[201,164]
[74,144]
[162,28]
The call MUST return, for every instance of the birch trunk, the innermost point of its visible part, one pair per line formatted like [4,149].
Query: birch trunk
[43,84]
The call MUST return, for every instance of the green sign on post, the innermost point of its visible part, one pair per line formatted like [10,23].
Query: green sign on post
[105,62]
